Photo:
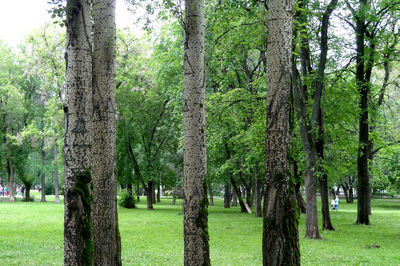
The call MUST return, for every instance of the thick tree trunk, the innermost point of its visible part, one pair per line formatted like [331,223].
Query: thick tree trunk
[78,245]
[27,191]
[10,172]
[56,183]
[195,201]
[363,88]
[227,196]
[105,230]
[149,195]
[280,218]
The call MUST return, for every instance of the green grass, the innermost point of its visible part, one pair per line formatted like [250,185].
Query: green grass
[32,234]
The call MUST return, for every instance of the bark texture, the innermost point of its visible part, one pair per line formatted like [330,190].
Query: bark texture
[104,212]
[78,244]
[195,201]
[280,216]
[56,182]
[363,137]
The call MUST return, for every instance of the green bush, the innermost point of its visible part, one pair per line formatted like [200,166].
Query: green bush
[127,201]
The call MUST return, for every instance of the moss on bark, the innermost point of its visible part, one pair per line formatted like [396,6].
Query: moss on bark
[202,222]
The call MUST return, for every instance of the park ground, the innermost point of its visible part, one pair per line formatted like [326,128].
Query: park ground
[32,234]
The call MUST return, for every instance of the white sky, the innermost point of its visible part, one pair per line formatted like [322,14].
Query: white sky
[19,17]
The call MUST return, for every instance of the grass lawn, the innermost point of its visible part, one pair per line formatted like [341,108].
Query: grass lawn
[32,234]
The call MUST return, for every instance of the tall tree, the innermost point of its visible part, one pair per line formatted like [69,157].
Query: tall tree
[195,202]
[280,215]
[78,244]
[104,211]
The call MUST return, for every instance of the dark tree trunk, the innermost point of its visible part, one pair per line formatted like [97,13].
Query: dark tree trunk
[27,191]
[149,195]
[346,192]
[238,193]
[326,218]
[351,194]
[210,192]
[43,176]
[258,196]
[363,140]
[56,184]
[227,196]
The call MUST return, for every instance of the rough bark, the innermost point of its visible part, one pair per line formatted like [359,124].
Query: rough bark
[280,216]
[104,135]
[363,137]
[78,244]
[195,201]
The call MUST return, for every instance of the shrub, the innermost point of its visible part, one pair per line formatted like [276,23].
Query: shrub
[127,201]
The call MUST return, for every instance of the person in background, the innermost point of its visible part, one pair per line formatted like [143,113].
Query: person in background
[333,205]
[337,202]
[1,191]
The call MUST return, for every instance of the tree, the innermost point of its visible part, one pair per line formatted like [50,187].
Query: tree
[280,215]
[195,202]
[106,239]
[78,244]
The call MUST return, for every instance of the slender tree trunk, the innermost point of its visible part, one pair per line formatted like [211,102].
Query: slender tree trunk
[56,184]
[227,196]
[43,176]
[78,244]
[159,192]
[346,192]
[280,217]
[195,201]
[129,189]
[257,197]
[104,213]
[234,199]
[210,192]
[149,195]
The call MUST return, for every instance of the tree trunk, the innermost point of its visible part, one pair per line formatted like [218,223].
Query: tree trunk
[159,192]
[43,176]
[227,196]
[326,217]
[346,192]
[27,191]
[10,172]
[149,195]
[56,184]
[78,245]
[363,138]
[257,197]
[105,230]
[129,190]
[210,192]
[234,199]
[280,218]
[351,194]
[195,201]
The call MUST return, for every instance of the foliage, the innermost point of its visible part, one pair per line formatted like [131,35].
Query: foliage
[127,200]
